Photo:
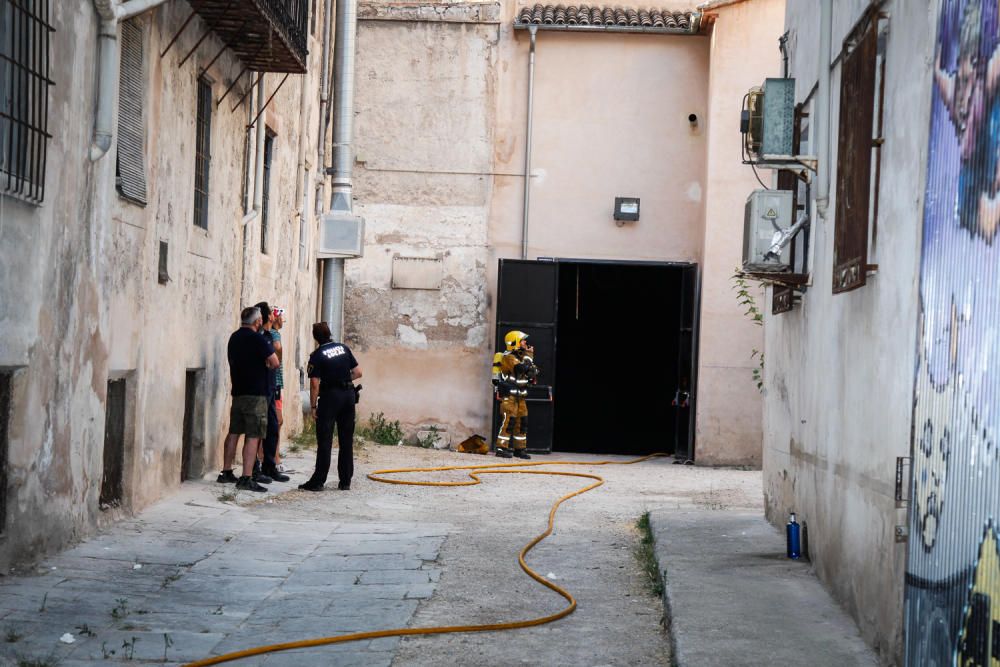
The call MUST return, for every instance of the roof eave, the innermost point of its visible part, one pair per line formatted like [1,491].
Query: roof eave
[610,28]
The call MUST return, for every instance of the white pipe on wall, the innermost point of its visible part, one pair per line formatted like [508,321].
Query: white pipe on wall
[110,13]
[823,110]
[324,99]
[533,32]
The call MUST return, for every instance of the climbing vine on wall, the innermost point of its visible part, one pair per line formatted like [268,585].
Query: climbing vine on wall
[746,300]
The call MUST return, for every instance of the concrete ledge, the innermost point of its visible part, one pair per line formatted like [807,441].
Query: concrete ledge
[733,598]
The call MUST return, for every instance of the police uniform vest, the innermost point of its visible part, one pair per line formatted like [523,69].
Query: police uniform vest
[332,363]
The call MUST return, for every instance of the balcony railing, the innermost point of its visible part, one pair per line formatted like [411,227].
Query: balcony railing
[267,35]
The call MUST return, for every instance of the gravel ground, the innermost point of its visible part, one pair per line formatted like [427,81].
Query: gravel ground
[618,621]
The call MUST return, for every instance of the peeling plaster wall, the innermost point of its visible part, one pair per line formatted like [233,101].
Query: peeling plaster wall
[425,85]
[79,297]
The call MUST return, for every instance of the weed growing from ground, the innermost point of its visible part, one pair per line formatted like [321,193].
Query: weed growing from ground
[85,631]
[645,553]
[229,496]
[128,648]
[304,439]
[11,636]
[380,430]
[167,643]
[120,610]
[45,598]
[431,439]
[37,662]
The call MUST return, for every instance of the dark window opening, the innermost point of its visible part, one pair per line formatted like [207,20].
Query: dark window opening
[245,179]
[193,444]
[130,167]
[5,401]
[163,276]
[203,153]
[112,480]
[24,97]
[265,201]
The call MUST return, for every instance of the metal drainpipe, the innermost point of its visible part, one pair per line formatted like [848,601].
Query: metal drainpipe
[324,98]
[258,191]
[110,13]
[532,31]
[823,111]
[345,47]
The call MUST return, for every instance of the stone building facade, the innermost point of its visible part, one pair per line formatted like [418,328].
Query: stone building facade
[441,134]
[116,304]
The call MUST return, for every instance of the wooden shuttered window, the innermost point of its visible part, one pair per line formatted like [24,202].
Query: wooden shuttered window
[131,165]
[855,147]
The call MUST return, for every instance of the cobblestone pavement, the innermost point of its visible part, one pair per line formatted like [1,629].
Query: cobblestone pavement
[198,574]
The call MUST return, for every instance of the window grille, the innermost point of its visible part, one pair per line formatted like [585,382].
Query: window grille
[245,178]
[268,154]
[203,152]
[131,165]
[24,97]
[857,169]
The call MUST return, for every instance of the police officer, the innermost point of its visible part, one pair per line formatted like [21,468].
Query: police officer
[332,370]
[513,371]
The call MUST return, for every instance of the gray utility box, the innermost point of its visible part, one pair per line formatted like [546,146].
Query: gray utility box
[777,140]
[341,235]
[768,213]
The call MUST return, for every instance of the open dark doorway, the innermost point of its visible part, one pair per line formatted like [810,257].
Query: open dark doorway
[112,480]
[624,356]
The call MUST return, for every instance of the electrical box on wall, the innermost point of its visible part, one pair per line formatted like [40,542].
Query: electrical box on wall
[341,235]
[767,216]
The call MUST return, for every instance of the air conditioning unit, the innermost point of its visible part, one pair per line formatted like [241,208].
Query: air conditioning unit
[341,235]
[767,218]
[768,122]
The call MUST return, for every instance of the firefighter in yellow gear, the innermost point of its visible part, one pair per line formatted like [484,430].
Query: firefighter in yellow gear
[513,371]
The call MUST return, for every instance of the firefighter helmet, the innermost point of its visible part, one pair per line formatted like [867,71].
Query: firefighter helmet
[514,340]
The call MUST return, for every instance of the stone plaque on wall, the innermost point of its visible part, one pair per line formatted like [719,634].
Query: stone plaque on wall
[417,273]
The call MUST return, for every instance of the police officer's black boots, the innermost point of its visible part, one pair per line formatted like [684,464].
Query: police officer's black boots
[521,454]
[258,475]
[504,453]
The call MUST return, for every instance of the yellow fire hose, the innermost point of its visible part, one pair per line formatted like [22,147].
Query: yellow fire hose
[476,470]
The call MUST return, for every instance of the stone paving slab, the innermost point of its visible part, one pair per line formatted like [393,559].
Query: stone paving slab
[733,598]
[190,578]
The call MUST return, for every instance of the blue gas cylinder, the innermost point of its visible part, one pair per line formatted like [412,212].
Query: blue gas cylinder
[793,538]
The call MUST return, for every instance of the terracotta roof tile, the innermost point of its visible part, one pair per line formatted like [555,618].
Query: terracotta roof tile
[586,15]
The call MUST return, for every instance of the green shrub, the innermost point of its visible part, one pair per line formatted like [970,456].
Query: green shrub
[380,430]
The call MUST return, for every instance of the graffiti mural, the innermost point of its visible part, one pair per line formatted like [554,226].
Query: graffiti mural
[953,566]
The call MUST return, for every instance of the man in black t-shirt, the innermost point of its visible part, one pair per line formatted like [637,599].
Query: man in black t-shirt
[332,370]
[250,358]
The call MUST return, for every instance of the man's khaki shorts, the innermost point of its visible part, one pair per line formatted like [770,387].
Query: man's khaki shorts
[248,416]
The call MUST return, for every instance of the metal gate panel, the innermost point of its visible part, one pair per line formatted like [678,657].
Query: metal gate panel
[953,558]
[527,300]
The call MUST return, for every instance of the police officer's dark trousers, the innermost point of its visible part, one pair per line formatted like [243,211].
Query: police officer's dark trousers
[336,407]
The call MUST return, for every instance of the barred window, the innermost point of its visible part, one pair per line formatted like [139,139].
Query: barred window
[203,152]
[24,97]
[268,154]
[130,170]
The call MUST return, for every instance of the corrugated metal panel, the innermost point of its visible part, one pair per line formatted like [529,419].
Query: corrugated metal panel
[953,559]
[854,151]
[131,124]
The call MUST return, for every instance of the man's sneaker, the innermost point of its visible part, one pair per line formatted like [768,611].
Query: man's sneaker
[261,478]
[276,475]
[504,453]
[226,477]
[344,486]
[308,486]
[248,484]
[521,454]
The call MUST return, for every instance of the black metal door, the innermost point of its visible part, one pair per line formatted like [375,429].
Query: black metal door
[684,398]
[527,300]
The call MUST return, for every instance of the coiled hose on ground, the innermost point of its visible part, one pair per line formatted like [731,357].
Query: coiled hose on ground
[474,472]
